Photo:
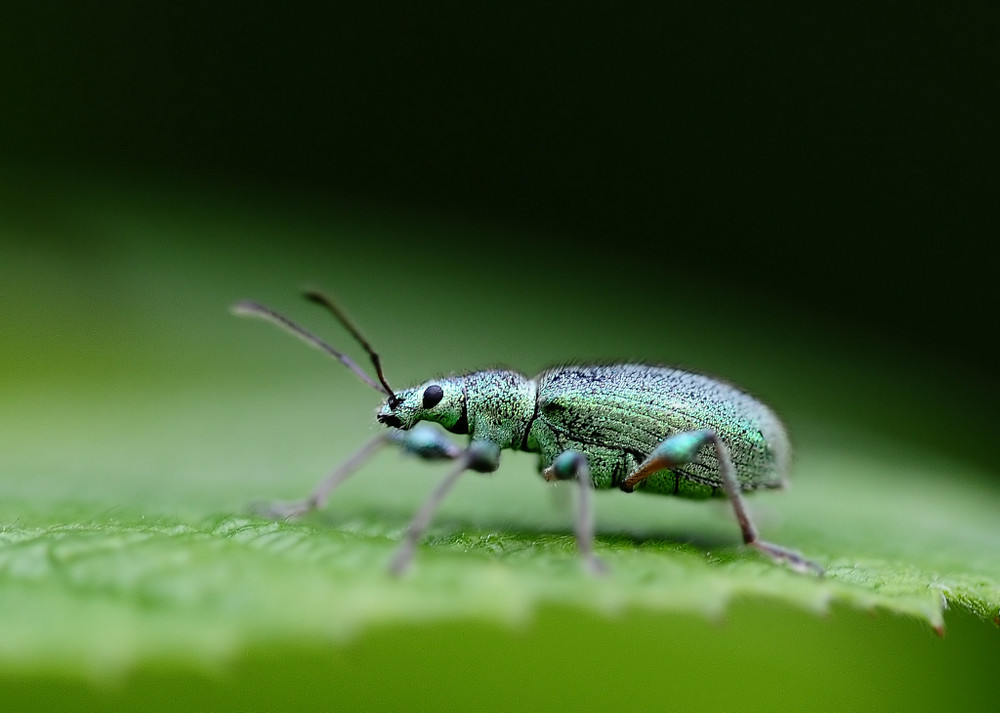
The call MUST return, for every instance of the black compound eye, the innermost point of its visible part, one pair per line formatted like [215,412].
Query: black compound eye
[433,395]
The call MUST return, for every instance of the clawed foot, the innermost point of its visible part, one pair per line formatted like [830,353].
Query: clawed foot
[403,558]
[283,510]
[788,557]
[594,565]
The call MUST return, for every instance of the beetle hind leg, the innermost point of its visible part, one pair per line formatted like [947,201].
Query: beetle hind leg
[682,448]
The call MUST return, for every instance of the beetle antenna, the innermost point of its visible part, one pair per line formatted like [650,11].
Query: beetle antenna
[324,301]
[247,308]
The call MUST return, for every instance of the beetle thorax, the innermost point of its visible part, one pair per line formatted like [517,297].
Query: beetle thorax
[500,406]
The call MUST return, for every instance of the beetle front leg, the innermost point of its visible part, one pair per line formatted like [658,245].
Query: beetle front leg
[572,465]
[682,448]
[480,456]
[289,510]
[424,441]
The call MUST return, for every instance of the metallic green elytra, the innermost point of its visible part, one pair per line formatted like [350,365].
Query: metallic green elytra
[634,427]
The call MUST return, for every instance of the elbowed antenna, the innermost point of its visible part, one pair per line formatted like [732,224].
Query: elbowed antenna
[321,299]
[248,308]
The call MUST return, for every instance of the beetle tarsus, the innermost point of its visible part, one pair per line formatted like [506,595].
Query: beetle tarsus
[790,558]
[284,510]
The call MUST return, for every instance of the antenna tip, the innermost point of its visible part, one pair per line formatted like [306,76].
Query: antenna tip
[245,308]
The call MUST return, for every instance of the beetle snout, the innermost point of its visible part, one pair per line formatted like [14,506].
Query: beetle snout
[390,419]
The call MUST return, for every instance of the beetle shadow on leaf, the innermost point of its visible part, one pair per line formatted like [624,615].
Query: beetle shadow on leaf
[454,527]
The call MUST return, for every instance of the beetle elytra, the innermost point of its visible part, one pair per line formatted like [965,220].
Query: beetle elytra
[634,427]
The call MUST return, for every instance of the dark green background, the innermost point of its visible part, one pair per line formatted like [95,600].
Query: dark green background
[779,180]
[833,169]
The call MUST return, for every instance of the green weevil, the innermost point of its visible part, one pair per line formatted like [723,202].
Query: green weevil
[634,427]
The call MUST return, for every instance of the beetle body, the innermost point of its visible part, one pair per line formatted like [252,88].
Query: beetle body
[627,426]
[615,414]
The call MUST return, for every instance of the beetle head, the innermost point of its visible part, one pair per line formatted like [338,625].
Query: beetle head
[438,400]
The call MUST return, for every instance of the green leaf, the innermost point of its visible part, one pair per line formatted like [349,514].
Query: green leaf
[106,589]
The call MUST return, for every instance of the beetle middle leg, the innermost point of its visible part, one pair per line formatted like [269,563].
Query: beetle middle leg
[480,456]
[682,448]
[572,465]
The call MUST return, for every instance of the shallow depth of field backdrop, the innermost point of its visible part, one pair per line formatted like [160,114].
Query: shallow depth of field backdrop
[804,202]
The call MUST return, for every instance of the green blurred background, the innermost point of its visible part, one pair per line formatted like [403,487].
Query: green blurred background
[829,171]
[801,199]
